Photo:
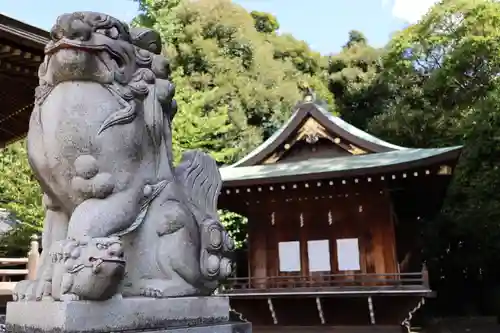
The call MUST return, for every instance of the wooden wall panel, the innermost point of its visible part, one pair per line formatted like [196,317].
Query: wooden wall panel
[366,216]
[287,229]
[302,151]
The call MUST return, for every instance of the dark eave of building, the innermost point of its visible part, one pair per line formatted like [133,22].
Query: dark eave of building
[22,33]
[337,167]
[21,53]
[331,123]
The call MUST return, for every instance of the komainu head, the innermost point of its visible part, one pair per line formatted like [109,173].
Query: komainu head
[96,267]
[88,46]
[97,47]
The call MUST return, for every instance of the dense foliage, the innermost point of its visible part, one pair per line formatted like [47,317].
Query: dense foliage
[434,84]
[354,79]
[443,77]
[19,194]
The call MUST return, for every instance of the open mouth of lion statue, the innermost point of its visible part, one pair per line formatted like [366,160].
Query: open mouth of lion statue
[70,50]
[88,46]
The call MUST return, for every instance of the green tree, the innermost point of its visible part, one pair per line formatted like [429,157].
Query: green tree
[216,50]
[440,67]
[236,79]
[354,78]
[265,22]
[196,128]
[150,9]
[20,194]
[355,38]
[298,53]
[443,78]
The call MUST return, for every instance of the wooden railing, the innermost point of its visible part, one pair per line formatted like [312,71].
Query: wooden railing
[18,268]
[326,282]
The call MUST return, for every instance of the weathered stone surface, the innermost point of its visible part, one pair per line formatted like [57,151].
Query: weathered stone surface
[120,218]
[117,315]
[216,328]
[125,231]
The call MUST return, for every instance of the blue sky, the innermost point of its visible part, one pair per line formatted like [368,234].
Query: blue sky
[324,24]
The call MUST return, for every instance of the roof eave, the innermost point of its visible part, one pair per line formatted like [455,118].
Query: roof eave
[23,33]
[371,146]
[450,158]
[274,141]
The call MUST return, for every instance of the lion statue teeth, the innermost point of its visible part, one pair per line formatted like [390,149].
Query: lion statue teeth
[120,219]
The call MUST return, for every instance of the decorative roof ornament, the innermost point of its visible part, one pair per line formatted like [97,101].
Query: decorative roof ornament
[308,94]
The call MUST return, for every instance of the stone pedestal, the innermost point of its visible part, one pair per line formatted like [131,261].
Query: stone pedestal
[176,315]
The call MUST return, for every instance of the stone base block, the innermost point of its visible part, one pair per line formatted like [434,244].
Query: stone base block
[217,328]
[176,315]
[220,328]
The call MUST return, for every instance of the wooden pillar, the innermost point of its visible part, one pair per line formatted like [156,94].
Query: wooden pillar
[258,244]
[33,257]
[425,277]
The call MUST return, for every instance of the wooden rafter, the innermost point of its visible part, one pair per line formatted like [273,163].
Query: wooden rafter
[21,52]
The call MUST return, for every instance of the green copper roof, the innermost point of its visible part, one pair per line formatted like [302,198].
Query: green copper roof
[311,108]
[340,166]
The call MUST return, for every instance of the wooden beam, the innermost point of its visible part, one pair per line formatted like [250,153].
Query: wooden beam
[13,261]
[23,34]
[33,257]
[6,65]
[8,51]
[6,288]
[13,272]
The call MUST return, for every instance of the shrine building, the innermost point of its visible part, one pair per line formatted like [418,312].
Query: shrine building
[334,217]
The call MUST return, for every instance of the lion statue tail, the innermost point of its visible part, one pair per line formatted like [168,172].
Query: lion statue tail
[199,175]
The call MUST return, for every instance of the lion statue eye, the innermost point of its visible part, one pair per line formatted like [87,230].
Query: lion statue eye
[100,246]
[111,32]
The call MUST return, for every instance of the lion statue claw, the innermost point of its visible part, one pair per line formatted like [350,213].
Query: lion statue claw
[120,219]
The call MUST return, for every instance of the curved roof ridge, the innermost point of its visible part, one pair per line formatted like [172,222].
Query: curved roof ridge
[322,115]
[260,148]
[356,131]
